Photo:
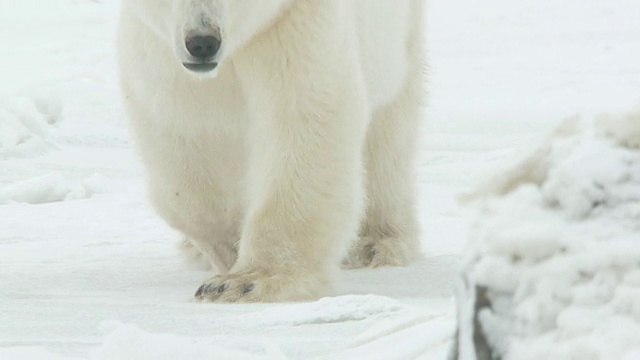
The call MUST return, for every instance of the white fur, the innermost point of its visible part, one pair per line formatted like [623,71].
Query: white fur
[260,163]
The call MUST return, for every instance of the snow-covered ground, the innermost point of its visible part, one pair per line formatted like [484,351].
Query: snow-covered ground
[88,270]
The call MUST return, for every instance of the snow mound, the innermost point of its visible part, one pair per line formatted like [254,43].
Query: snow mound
[25,125]
[553,268]
[623,128]
[50,188]
[329,310]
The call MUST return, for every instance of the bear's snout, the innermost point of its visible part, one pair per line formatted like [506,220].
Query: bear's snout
[203,47]
[202,50]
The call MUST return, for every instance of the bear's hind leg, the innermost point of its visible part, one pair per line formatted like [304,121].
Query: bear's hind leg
[220,255]
[389,232]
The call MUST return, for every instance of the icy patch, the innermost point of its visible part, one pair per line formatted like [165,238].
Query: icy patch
[552,269]
[130,342]
[329,310]
[634,355]
[31,353]
[409,340]
[52,188]
[25,125]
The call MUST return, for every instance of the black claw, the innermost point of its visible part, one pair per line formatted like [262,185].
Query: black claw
[222,288]
[200,293]
[247,289]
[205,290]
[213,292]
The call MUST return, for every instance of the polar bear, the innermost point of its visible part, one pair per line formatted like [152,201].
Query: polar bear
[278,135]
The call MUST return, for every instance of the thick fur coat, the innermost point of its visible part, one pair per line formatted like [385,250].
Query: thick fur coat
[278,135]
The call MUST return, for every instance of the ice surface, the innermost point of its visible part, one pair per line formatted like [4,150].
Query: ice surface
[81,248]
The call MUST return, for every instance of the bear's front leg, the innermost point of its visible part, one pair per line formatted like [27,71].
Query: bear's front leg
[307,101]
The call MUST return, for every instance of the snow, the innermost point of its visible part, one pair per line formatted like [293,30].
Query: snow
[87,270]
[559,255]
[50,188]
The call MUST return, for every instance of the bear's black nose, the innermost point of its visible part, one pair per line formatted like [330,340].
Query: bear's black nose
[203,47]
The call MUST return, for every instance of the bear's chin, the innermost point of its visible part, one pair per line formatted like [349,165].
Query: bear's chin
[201,68]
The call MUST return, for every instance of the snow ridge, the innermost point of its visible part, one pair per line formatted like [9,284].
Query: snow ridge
[559,258]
